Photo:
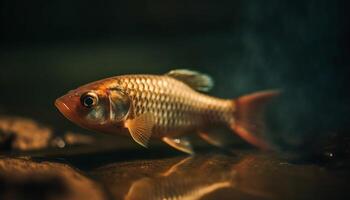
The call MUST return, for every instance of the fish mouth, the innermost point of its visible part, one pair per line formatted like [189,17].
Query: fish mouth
[64,109]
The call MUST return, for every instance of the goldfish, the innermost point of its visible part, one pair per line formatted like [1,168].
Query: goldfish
[165,107]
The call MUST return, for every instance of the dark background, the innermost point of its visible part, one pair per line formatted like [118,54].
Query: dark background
[300,47]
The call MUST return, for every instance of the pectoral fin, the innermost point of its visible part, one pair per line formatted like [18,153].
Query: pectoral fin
[181,144]
[140,128]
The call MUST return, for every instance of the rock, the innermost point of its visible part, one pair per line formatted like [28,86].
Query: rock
[22,178]
[71,138]
[23,134]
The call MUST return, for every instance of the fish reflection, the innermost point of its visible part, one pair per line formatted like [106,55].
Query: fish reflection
[177,184]
[247,175]
[189,178]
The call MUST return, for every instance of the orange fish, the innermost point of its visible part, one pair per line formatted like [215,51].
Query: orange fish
[165,107]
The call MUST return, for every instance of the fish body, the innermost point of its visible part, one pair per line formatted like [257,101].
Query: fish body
[175,107]
[165,107]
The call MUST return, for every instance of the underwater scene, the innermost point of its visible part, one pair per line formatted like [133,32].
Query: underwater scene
[165,100]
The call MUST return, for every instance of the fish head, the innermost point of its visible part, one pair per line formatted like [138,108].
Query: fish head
[95,107]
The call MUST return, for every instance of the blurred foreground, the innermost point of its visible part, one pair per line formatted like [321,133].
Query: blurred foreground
[38,163]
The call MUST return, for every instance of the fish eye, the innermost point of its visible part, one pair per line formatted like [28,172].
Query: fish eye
[89,100]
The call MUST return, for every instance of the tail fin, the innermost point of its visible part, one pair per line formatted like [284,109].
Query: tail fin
[249,117]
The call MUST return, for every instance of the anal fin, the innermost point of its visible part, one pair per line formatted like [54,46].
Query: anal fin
[211,139]
[181,144]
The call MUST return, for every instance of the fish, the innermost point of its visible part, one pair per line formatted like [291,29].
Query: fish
[166,107]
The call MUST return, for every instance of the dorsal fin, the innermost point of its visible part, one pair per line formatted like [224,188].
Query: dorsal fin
[196,80]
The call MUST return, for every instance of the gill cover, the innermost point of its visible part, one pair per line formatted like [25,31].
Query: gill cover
[140,127]
[119,105]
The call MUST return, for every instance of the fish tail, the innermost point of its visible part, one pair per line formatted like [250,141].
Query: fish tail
[248,114]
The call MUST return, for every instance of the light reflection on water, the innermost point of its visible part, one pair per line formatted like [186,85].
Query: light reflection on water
[214,176]
[175,178]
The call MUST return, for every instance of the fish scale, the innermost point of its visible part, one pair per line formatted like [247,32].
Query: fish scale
[176,109]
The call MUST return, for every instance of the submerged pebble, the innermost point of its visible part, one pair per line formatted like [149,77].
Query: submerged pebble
[22,178]
[23,134]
